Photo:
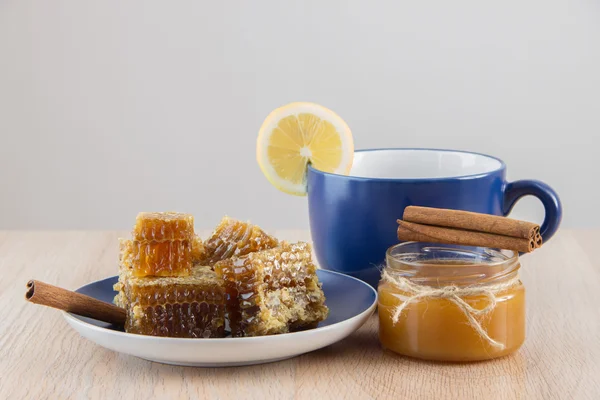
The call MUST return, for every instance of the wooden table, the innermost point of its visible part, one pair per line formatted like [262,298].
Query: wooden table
[41,357]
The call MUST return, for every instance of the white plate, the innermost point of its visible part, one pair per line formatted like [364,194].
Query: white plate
[351,302]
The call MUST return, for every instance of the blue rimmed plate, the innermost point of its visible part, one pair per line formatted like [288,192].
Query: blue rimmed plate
[351,302]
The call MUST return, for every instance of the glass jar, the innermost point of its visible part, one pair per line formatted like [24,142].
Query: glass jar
[451,303]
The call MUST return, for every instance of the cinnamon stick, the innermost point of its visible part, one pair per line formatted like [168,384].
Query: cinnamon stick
[538,240]
[76,303]
[408,231]
[471,221]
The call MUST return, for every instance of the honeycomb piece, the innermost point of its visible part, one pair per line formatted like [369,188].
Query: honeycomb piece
[197,250]
[273,291]
[163,226]
[186,307]
[166,258]
[234,238]
[125,253]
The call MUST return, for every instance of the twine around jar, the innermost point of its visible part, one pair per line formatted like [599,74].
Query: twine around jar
[454,294]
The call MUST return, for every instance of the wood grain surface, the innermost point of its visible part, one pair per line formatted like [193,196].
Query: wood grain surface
[41,357]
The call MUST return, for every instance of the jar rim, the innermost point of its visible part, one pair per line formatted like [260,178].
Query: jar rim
[503,258]
[419,260]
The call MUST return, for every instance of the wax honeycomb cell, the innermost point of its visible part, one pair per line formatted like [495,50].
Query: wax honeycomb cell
[163,226]
[167,258]
[188,307]
[273,291]
[163,244]
[234,238]
[150,256]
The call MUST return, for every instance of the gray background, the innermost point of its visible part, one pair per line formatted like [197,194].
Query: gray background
[112,107]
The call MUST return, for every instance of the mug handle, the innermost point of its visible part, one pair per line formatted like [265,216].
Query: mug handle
[513,191]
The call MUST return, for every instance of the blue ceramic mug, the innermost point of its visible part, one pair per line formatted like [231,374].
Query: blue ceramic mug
[353,218]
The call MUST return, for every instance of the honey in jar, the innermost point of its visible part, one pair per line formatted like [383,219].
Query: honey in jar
[451,303]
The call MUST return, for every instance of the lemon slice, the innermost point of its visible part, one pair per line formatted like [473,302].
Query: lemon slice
[300,133]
